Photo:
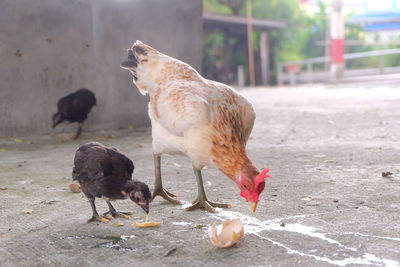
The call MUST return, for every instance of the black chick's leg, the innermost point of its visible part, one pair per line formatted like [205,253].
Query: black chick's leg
[78,132]
[158,187]
[114,213]
[96,216]
[202,202]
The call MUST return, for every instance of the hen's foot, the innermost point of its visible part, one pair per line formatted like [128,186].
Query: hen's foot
[117,214]
[207,205]
[165,195]
[98,219]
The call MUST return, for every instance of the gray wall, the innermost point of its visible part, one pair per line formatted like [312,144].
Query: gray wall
[49,48]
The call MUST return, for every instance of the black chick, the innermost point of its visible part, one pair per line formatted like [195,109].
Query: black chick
[106,173]
[74,108]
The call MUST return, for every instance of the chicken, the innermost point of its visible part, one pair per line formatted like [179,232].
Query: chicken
[104,172]
[74,108]
[208,121]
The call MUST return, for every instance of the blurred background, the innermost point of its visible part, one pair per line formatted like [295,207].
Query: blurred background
[297,40]
[50,48]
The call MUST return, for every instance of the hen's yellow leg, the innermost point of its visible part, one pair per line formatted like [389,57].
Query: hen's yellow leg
[202,202]
[158,187]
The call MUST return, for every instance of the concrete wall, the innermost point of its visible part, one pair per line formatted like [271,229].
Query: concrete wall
[49,48]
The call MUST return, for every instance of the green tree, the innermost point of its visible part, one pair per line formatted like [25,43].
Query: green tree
[286,44]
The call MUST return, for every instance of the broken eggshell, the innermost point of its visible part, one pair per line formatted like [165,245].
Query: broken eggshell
[232,231]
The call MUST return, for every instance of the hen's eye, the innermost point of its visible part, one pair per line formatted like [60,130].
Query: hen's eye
[245,186]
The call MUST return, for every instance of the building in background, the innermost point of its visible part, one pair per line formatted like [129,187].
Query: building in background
[362,37]
[235,27]
[50,48]
[380,20]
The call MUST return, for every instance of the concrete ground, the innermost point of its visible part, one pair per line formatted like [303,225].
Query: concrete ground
[325,204]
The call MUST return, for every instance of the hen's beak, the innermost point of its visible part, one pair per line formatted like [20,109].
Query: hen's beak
[253,206]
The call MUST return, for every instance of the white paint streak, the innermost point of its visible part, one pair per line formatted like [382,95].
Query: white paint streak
[367,258]
[182,223]
[253,226]
[371,236]
[256,227]
[307,215]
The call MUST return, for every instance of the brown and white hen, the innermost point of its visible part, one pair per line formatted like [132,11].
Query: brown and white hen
[206,120]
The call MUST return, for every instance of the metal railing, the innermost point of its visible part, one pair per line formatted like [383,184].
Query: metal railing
[296,75]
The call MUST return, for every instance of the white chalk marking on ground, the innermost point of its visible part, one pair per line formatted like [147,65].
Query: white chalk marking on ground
[185,204]
[255,227]
[125,237]
[306,215]
[367,258]
[182,223]
[371,236]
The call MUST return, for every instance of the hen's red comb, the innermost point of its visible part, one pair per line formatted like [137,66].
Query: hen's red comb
[261,177]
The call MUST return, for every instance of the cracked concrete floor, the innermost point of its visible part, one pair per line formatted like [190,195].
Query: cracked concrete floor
[326,204]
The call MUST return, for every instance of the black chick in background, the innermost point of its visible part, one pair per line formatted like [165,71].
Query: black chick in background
[75,107]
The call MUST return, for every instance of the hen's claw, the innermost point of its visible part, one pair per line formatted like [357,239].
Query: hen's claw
[170,194]
[165,195]
[202,202]
[207,205]
[158,187]
[220,205]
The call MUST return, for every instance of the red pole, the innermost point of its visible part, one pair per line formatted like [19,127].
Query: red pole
[337,44]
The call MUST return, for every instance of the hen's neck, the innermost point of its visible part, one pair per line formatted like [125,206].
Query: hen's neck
[236,165]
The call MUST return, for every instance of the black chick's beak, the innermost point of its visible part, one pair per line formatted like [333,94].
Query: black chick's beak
[145,207]
[56,119]
[130,62]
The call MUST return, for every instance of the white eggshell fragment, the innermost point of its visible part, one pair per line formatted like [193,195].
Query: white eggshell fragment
[232,231]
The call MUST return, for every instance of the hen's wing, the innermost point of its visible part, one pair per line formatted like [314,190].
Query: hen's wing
[178,107]
[182,105]
[246,116]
